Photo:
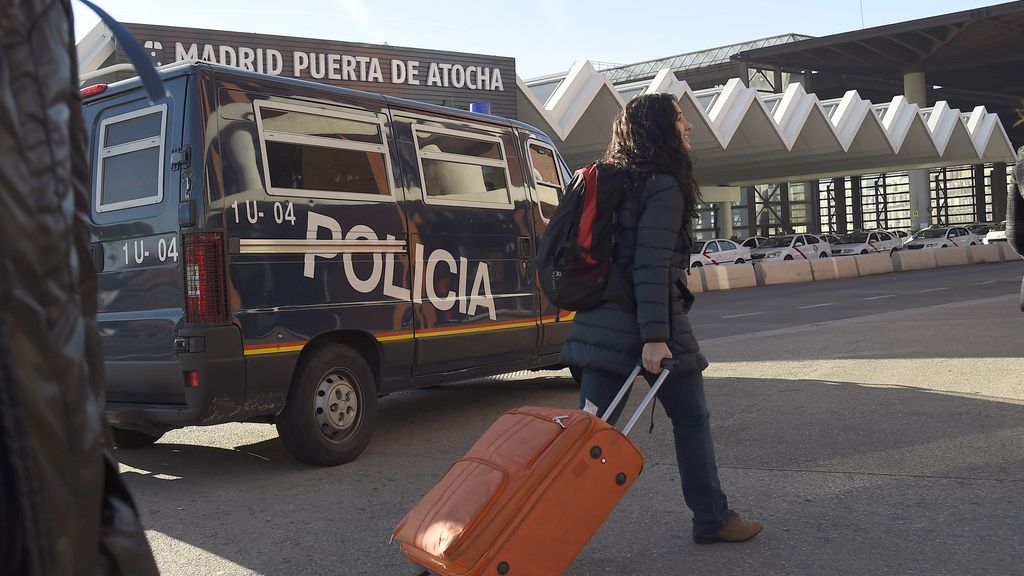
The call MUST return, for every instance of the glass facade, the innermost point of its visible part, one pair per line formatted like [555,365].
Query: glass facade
[959,195]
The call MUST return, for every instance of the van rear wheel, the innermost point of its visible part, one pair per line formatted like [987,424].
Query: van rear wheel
[332,408]
[131,439]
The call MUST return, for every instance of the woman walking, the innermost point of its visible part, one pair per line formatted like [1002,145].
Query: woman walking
[645,316]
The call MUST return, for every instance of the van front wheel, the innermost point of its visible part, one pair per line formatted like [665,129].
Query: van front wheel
[332,408]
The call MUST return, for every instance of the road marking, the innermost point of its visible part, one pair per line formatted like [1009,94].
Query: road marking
[880,297]
[983,283]
[742,315]
[817,305]
[933,290]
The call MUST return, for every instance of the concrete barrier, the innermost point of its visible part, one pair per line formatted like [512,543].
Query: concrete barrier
[984,254]
[833,268]
[792,272]
[907,260]
[1007,252]
[871,264]
[728,276]
[950,256]
[694,280]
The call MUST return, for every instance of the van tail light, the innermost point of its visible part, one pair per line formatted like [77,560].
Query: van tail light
[92,90]
[205,278]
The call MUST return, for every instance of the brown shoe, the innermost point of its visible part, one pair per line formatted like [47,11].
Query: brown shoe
[736,529]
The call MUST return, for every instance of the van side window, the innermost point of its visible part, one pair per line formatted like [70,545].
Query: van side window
[461,168]
[312,152]
[545,174]
[129,169]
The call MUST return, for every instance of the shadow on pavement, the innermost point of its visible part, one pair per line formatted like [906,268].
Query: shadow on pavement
[848,479]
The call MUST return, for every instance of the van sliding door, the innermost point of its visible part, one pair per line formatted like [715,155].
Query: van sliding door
[473,291]
[548,177]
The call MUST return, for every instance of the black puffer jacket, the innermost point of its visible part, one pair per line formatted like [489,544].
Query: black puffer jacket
[64,509]
[648,300]
[1015,213]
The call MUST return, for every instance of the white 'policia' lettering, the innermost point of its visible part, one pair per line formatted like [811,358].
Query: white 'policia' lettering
[425,272]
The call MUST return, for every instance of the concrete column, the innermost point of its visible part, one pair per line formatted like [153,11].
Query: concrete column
[999,187]
[784,209]
[858,203]
[814,195]
[723,197]
[725,219]
[978,172]
[915,89]
[839,187]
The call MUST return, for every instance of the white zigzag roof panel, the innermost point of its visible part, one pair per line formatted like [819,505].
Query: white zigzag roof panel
[741,136]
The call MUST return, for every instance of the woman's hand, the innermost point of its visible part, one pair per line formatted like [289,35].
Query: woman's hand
[653,354]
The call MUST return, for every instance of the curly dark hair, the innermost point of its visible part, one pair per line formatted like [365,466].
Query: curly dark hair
[646,140]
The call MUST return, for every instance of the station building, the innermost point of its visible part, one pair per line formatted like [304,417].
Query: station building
[898,127]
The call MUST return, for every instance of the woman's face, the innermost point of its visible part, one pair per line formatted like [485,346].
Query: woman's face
[683,126]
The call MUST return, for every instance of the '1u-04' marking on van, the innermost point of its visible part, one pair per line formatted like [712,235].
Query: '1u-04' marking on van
[362,239]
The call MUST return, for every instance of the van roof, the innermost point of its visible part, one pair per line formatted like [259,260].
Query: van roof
[187,67]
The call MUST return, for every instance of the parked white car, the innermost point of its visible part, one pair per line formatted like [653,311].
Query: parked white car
[718,251]
[867,242]
[791,247]
[832,239]
[754,241]
[980,228]
[996,234]
[942,237]
[903,235]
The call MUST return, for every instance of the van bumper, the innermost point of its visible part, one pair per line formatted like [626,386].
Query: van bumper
[215,355]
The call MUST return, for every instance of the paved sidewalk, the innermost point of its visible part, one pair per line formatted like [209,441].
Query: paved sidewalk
[869,446]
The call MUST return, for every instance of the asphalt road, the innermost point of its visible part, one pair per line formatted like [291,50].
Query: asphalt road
[732,312]
[875,425]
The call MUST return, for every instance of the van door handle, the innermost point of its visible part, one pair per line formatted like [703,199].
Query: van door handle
[525,247]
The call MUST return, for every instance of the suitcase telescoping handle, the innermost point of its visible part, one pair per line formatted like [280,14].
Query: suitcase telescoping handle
[665,364]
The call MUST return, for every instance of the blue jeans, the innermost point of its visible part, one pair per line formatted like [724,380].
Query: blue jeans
[682,395]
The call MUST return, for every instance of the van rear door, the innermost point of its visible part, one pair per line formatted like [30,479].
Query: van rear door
[136,245]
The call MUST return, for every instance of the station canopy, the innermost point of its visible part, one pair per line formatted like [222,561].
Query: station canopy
[974,53]
[743,137]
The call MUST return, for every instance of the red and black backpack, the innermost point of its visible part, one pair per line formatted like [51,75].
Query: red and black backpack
[574,256]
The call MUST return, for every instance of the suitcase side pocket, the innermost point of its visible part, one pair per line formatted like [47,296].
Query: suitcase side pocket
[448,513]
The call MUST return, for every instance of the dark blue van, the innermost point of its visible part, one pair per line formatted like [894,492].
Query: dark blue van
[275,250]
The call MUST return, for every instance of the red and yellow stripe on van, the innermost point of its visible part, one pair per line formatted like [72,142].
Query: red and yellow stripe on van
[283,347]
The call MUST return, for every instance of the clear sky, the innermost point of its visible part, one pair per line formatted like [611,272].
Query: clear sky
[544,36]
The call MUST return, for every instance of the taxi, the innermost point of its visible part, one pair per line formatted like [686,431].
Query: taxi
[867,242]
[718,251]
[943,237]
[791,247]
[754,241]
[996,234]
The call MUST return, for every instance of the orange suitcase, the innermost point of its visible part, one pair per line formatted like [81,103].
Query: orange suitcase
[528,496]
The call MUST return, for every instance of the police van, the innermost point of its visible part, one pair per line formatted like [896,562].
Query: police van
[275,250]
